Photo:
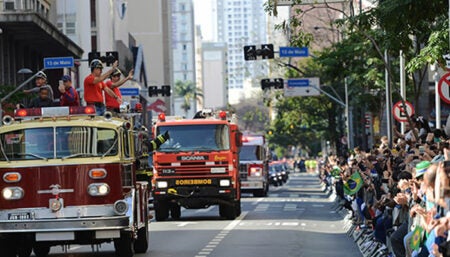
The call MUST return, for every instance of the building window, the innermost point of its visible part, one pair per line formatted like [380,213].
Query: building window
[70,28]
[182,7]
[184,76]
[184,47]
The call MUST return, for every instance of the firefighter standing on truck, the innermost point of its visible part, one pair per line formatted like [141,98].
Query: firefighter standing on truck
[94,85]
[114,83]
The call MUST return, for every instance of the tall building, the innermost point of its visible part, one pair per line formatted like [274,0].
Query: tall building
[183,49]
[215,75]
[239,23]
[199,63]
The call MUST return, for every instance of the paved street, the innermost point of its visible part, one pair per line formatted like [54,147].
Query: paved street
[297,219]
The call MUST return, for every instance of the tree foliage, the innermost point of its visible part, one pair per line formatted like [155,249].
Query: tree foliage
[417,27]
[189,92]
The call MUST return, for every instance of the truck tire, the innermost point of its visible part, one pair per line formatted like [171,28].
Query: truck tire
[260,192]
[237,205]
[124,245]
[161,211]
[175,211]
[41,250]
[228,211]
[141,242]
[24,251]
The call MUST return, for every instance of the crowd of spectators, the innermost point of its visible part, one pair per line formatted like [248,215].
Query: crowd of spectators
[399,193]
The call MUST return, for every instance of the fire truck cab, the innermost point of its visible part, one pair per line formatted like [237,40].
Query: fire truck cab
[69,177]
[198,166]
[254,165]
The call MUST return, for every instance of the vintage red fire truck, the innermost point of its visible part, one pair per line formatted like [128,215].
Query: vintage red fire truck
[69,177]
[254,165]
[198,166]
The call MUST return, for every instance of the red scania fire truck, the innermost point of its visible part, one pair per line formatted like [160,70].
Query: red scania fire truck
[69,177]
[254,165]
[198,166]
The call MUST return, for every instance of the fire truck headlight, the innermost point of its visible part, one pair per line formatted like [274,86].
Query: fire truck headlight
[224,183]
[98,189]
[120,207]
[12,193]
[255,171]
[161,184]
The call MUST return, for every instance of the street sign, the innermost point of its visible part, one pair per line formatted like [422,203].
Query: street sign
[444,88]
[399,110]
[129,91]
[302,87]
[286,51]
[58,62]
[304,2]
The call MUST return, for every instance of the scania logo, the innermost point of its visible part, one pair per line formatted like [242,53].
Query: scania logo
[193,158]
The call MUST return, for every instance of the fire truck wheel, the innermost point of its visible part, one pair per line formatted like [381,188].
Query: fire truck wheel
[41,251]
[238,207]
[228,211]
[161,211]
[124,245]
[175,211]
[141,242]
[24,251]
[260,193]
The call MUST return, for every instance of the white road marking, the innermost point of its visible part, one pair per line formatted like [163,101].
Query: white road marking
[209,248]
[184,224]
[257,201]
[290,207]
[318,205]
[289,224]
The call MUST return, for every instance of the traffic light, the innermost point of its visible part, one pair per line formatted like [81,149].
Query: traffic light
[155,91]
[92,56]
[267,51]
[109,58]
[265,84]
[277,83]
[165,90]
[250,53]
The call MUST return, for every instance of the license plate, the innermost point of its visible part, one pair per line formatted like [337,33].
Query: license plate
[19,216]
[190,182]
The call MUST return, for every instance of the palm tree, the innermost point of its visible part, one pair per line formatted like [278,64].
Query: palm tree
[189,92]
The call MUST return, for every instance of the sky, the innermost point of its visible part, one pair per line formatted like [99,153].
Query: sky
[203,17]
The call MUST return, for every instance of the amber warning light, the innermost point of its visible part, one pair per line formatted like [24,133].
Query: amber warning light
[54,111]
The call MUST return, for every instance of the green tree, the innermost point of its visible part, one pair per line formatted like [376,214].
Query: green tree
[253,115]
[189,92]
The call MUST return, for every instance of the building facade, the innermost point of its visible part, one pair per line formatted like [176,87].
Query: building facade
[183,49]
[240,23]
[215,77]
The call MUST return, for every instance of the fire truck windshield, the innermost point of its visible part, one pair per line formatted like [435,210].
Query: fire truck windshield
[57,142]
[195,138]
[250,153]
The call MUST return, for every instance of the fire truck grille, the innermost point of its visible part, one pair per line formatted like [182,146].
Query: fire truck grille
[192,168]
[243,171]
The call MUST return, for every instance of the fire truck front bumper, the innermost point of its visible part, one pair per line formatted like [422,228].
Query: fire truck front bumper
[66,224]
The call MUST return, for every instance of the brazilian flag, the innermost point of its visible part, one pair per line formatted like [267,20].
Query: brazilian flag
[353,184]
[335,172]
[416,238]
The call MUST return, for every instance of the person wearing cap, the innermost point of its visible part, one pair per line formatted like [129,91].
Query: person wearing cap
[421,168]
[114,83]
[41,81]
[94,85]
[69,96]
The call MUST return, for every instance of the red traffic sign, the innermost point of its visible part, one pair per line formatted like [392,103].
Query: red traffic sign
[444,88]
[400,111]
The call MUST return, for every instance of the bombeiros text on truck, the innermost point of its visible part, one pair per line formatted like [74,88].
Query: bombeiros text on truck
[69,177]
[198,166]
